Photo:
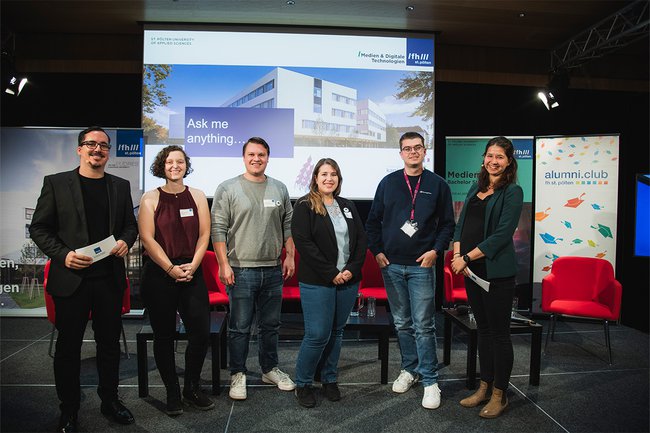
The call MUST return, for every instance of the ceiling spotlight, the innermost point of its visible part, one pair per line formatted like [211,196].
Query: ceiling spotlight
[555,90]
[12,82]
[410,8]
[15,85]
[548,99]
[290,2]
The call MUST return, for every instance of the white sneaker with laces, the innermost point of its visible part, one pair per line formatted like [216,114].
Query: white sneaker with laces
[431,399]
[238,386]
[404,382]
[279,378]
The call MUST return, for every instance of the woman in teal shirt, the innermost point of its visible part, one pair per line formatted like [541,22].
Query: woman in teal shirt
[483,243]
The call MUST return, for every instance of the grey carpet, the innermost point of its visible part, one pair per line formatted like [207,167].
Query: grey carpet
[578,391]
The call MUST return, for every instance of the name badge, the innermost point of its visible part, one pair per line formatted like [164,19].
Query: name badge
[187,213]
[271,203]
[409,227]
[347,213]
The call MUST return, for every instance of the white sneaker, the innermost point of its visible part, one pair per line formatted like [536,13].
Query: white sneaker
[238,386]
[404,382]
[431,399]
[279,378]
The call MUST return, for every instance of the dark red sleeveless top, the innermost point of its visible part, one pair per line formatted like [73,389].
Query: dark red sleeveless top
[177,224]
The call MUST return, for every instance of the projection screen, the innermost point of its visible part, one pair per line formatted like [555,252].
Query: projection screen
[309,95]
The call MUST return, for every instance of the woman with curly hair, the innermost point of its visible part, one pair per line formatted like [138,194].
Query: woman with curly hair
[174,224]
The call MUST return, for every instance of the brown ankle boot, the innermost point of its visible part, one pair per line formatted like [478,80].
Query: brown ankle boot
[482,394]
[498,402]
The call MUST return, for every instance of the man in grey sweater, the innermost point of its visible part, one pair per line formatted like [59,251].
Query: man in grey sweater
[251,221]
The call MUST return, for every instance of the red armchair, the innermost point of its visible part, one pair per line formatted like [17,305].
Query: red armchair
[51,312]
[372,283]
[583,287]
[217,294]
[291,289]
[454,284]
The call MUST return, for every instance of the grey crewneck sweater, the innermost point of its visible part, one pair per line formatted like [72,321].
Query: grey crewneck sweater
[253,219]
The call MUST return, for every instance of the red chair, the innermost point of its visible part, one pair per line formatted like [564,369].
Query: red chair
[216,290]
[291,289]
[51,312]
[372,283]
[454,284]
[583,287]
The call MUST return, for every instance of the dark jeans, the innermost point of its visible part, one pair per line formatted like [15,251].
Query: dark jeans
[492,313]
[104,300]
[163,297]
[257,291]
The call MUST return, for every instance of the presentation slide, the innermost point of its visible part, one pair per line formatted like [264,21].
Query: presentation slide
[310,96]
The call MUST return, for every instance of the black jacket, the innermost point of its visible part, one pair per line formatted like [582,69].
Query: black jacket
[315,241]
[59,226]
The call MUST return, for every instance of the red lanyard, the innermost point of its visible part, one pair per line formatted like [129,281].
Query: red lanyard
[414,195]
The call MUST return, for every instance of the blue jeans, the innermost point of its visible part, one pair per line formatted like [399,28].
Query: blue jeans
[256,290]
[325,310]
[411,295]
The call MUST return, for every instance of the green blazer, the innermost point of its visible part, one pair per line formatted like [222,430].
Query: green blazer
[501,220]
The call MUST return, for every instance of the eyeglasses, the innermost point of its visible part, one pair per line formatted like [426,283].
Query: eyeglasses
[409,149]
[92,145]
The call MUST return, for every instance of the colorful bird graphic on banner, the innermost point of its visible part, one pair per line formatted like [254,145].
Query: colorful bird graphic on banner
[596,206]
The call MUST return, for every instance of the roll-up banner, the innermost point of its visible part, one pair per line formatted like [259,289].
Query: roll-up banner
[576,201]
[26,156]
[463,163]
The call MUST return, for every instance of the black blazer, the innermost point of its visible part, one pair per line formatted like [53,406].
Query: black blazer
[59,226]
[315,241]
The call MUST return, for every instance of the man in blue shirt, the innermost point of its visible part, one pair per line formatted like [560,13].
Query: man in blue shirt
[410,224]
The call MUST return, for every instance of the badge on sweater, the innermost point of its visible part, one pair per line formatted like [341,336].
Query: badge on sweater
[268,202]
[410,227]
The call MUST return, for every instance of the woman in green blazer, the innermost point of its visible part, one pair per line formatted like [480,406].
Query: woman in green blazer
[483,243]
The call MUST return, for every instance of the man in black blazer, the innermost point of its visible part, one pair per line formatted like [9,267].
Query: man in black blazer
[76,209]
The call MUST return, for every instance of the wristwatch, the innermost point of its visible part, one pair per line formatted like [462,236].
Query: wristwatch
[467,259]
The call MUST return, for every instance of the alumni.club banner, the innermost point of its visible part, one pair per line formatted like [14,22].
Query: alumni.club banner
[576,194]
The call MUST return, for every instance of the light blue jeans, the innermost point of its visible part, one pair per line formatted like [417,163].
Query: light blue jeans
[325,310]
[256,290]
[411,295]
